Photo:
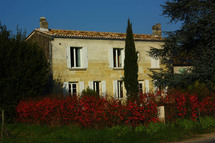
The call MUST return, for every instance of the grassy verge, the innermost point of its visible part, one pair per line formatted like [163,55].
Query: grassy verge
[154,132]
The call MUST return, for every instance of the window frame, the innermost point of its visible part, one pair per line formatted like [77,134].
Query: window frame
[71,88]
[116,60]
[97,87]
[72,59]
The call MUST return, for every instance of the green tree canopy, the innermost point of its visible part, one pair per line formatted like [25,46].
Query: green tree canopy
[24,68]
[193,44]
[130,67]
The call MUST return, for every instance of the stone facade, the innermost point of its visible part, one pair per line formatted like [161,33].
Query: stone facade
[85,60]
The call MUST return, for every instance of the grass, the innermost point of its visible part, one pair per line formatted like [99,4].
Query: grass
[153,133]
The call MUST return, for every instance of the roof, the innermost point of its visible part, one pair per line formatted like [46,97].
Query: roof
[57,33]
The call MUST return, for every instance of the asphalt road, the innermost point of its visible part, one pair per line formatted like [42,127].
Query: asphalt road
[205,138]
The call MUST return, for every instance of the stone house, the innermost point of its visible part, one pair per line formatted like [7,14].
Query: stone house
[95,59]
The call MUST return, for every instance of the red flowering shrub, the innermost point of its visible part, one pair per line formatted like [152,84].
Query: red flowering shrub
[184,105]
[87,112]
[97,112]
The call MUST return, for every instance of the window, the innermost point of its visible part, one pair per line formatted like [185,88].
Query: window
[77,57]
[96,87]
[140,87]
[116,58]
[118,89]
[99,87]
[73,89]
[155,63]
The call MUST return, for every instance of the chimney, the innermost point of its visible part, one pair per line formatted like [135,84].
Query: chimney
[43,24]
[156,30]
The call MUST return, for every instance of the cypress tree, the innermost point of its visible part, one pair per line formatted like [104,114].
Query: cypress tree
[130,67]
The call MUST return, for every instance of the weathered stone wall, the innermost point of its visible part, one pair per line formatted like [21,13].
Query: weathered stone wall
[98,60]
[42,40]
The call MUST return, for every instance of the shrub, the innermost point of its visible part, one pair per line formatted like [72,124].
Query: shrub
[90,92]
[87,111]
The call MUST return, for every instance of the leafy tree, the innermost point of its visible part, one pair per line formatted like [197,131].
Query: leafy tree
[24,69]
[130,67]
[193,44]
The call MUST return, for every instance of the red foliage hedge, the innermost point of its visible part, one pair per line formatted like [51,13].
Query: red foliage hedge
[97,112]
[87,112]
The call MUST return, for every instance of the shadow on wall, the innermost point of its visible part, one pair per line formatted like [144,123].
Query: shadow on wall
[54,87]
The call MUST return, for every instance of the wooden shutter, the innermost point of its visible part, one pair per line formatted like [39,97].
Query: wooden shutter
[111,57]
[123,57]
[90,84]
[85,58]
[146,86]
[65,88]
[115,89]
[103,88]
[81,87]
[155,63]
[68,57]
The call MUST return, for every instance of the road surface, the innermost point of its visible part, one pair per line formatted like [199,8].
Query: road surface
[204,138]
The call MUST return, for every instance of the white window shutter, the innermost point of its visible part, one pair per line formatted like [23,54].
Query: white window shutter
[165,91]
[91,84]
[85,58]
[81,87]
[152,62]
[155,87]
[146,86]
[123,57]
[111,57]
[155,63]
[68,57]
[115,89]
[65,88]
[103,88]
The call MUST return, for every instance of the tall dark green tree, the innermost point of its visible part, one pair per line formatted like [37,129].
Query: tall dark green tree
[193,44]
[24,69]
[130,65]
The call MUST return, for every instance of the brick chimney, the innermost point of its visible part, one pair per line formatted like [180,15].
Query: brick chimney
[156,30]
[43,24]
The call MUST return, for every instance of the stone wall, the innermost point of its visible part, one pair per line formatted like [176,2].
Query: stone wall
[98,61]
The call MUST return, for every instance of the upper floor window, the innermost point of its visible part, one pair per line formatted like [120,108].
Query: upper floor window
[117,58]
[77,57]
[155,63]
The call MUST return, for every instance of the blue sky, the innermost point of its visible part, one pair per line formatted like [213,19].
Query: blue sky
[87,15]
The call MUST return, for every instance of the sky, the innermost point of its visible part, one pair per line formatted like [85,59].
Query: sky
[85,15]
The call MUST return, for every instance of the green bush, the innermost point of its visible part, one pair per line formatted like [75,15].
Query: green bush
[90,92]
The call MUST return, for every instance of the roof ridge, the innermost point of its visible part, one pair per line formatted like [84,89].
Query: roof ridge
[95,34]
[96,31]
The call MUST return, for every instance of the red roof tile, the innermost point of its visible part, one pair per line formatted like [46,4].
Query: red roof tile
[95,35]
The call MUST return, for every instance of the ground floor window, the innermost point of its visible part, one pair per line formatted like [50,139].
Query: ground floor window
[140,87]
[120,89]
[96,86]
[73,89]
